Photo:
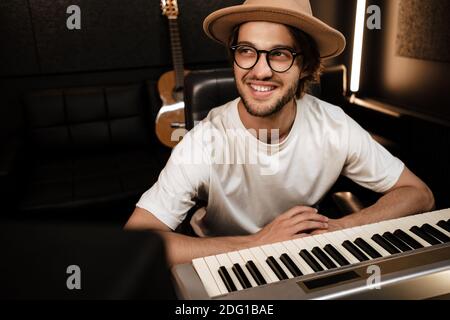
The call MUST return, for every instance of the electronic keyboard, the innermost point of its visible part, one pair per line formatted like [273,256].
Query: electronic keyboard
[405,258]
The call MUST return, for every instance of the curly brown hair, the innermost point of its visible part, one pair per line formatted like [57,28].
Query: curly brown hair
[309,63]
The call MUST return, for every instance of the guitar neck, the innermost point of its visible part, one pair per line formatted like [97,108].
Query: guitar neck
[177,53]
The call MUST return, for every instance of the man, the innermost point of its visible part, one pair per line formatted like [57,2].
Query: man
[277,47]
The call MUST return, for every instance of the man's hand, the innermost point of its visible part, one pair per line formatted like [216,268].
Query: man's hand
[294,223]
[333,225]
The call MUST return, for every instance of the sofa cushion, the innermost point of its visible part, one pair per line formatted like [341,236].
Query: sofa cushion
[83,181]
[87,119]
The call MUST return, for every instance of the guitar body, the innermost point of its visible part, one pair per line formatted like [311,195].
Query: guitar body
[170,120]
[170,123]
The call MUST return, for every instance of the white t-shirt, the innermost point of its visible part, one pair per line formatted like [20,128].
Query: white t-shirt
[247,183]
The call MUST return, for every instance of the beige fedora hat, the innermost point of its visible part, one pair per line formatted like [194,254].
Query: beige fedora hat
[296,13]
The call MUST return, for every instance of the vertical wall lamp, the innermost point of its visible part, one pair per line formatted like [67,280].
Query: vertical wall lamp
[357,45]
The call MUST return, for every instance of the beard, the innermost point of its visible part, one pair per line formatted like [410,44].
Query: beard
[258,111]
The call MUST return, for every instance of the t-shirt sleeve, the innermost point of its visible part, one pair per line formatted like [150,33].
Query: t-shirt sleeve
[171,197]
[368,163]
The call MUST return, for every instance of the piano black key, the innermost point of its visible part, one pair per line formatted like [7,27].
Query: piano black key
[396,242]
[435,233]
[241,276]
[279,272]
[227,279]
[408,239]
[256,274]
[354,251]
[290,265]
[448,221]
[444,225]
[339,258]
[322,256]
[367,248]
[309,259]
[424,235]
[385,244]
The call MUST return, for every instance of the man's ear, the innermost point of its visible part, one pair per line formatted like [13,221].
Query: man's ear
[304,74]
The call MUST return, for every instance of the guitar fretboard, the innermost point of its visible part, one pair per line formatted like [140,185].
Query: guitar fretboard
[177,53]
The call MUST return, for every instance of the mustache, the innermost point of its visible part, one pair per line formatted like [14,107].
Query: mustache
[272,79]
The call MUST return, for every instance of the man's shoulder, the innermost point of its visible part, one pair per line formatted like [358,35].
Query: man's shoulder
[322,109]
[218,120]
[220,113]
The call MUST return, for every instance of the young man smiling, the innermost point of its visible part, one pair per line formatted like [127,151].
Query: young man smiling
[277,47]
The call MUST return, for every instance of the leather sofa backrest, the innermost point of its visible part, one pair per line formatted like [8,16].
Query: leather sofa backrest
[97,118]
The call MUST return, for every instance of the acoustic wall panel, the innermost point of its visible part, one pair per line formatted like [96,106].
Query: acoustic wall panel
[118,34]
[114,34]
[197,47]
[17,49]
[424,29]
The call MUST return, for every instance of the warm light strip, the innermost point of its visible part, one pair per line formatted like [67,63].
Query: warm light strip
[357,45]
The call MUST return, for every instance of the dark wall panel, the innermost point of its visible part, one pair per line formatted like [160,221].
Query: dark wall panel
[119,34]
[339,14]
[197,47]
[17,50]
[114,34]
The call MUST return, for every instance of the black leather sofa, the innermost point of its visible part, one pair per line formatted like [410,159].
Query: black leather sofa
[86,154]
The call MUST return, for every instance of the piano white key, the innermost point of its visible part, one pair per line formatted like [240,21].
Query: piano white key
[206,277]
[225,261]
[408,221]
[336,239]
[442,214]
[281,249]
[403,224]
[293,249]
[261,257]
[248,256]
[214,266]
[310,243]
[435,215]
[235,257]
[271,252]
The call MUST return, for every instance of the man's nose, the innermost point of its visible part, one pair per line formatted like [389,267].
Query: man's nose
[262,69]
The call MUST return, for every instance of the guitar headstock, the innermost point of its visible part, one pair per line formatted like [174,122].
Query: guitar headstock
[170,8]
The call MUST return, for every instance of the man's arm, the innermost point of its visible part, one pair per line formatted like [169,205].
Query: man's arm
[410,195]
[182,249]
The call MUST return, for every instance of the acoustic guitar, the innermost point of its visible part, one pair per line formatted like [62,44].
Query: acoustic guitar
[170,121]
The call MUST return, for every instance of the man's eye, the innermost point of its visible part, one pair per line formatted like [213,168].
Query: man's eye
[279,54]
[246,51]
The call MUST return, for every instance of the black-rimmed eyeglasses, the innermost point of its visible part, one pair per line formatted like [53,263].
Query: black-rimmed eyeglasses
[279,59]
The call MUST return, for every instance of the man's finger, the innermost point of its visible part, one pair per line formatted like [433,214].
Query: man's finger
[319,231]
[310,225]
[298,210]
[301,235]
[313,216]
